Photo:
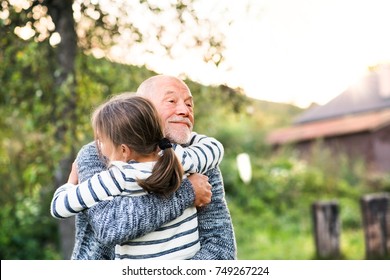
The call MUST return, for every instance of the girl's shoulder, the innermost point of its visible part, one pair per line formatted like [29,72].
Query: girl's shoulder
[132,165]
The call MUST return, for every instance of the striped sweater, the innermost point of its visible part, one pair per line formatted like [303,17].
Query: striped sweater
[178,239]
[124,218]
[204,153]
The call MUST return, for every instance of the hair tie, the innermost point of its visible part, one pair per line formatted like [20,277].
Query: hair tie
[164,144]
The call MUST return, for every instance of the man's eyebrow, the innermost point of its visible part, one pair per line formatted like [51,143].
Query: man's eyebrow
[168,92]
[190,98]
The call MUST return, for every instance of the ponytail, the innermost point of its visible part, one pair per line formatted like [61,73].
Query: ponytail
[134,121]
[167,174]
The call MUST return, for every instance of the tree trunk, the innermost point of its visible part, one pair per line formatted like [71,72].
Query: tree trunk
[65,100]
[376,222]
[326,229]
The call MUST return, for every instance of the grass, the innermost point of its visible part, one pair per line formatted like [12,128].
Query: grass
[274,238]
[352,244]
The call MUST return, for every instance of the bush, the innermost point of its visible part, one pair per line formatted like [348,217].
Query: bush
[29,234]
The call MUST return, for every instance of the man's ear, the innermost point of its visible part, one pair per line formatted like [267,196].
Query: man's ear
[126,152]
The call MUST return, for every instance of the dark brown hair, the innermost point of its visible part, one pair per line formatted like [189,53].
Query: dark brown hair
[134,121]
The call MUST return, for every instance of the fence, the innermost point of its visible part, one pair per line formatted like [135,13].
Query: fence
[376,222]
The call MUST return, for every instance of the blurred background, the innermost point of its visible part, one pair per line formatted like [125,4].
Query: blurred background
[299,93]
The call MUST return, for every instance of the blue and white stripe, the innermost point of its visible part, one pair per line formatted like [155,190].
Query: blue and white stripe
[178,239]
[202,154]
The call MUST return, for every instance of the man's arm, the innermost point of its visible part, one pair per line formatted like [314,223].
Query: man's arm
[73,197]
[125,218]
[217,240]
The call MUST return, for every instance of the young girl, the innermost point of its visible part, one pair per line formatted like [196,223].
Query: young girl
[129,134]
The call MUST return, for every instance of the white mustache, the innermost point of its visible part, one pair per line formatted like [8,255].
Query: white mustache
[181,120]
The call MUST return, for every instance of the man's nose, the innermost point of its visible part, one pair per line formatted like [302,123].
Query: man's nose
[182,109]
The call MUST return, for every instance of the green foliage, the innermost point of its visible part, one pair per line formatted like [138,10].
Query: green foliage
[271,214]
[276,206]
[27,231]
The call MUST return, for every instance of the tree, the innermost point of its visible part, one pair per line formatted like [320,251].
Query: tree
[66,28]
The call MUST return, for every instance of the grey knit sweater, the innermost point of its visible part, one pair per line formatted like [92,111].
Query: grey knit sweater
[112,222]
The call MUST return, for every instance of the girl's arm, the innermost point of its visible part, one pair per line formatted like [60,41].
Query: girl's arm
[202,154]
[127,217]
[70,199]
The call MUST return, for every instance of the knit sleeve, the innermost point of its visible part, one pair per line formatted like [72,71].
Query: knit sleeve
[202,154]
[216,233]
[127,217]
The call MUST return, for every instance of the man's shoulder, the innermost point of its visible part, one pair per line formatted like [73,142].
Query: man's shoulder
[213,171]
[89,161]
[87,150]
[90,145]
[215,176]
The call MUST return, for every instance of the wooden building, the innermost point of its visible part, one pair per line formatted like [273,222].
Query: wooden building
[357,123]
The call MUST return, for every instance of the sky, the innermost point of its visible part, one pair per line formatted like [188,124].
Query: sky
[291,51]
[295,51]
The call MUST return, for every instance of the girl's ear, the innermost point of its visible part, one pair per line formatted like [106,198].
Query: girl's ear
[126,152]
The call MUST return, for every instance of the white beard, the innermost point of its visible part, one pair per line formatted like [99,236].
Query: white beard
[178,136]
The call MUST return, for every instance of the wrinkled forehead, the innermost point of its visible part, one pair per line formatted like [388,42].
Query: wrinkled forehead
[170,90]
[159,88]
[172,86]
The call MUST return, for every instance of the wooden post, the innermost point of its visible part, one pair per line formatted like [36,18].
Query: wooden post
[326,229]
[376,222]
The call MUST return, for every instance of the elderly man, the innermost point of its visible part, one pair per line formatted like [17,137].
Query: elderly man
[112,222]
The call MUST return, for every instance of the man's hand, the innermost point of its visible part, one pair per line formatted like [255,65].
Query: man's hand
[73,177]
[202,189]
